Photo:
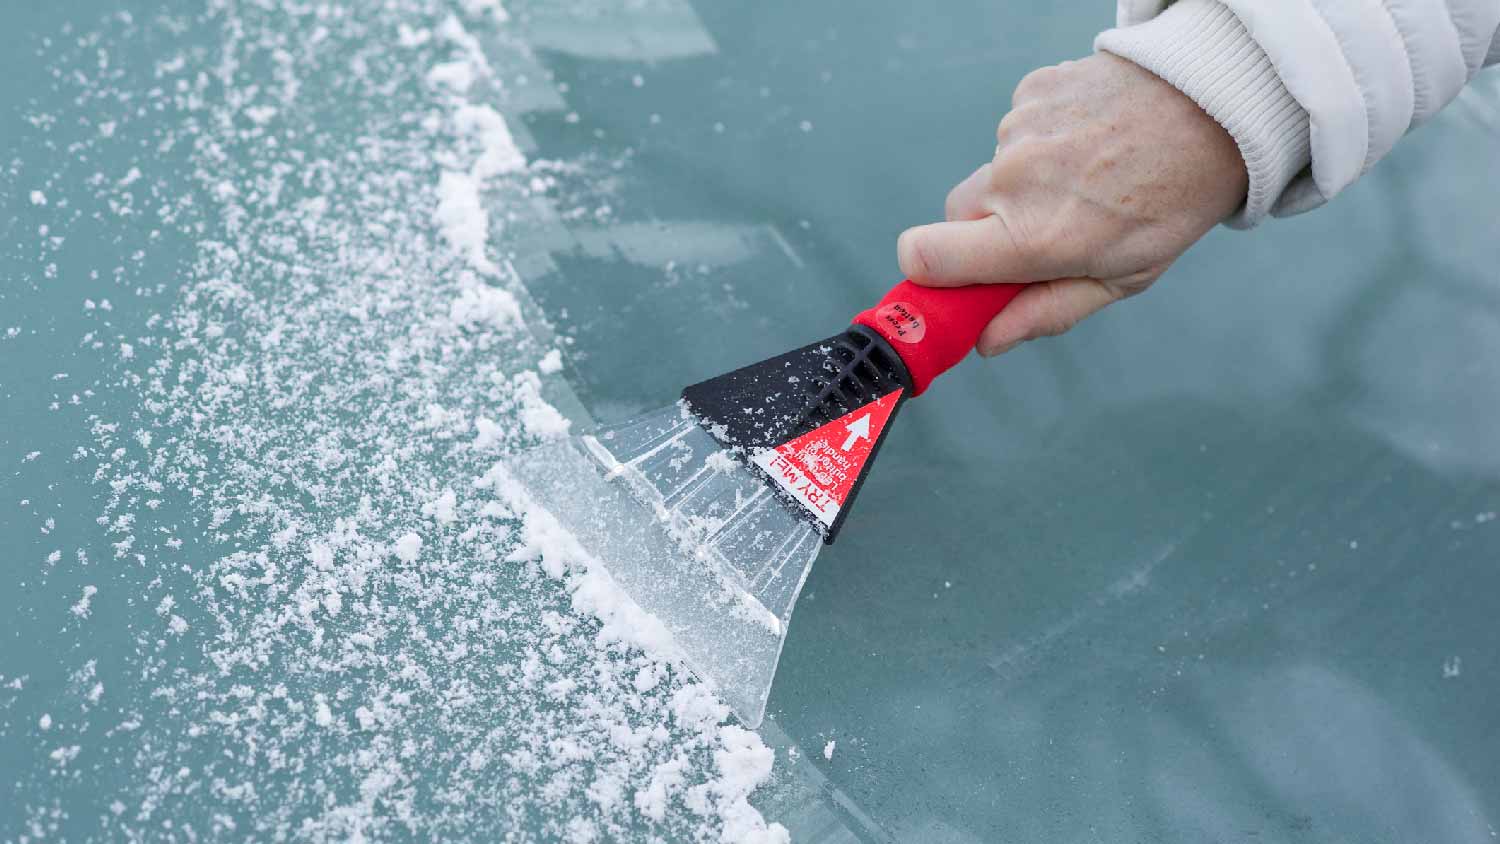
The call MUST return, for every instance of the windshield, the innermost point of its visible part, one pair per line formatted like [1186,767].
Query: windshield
[282,284]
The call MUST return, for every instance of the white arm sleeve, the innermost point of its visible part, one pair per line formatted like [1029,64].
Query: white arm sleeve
[1313,91]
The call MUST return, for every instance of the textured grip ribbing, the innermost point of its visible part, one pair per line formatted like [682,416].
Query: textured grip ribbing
[933,328]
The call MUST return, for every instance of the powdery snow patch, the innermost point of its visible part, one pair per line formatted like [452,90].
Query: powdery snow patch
[498,153]
[462,219]
[742,760]
[366,646]
[481,306]
[457,76]
[537,415]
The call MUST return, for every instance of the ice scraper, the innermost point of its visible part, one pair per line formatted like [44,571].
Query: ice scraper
[709,513]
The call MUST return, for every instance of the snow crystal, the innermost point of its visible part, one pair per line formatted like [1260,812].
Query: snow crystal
[322,715]
[828,749]
[647,678]
[408,36]
[488,433]
[409,548]
[482,306]
[81,609]
[458,75]
[696,707]
[442,509]
[550,363]
[38,198]
[321,556]
[721,461]
[261,115]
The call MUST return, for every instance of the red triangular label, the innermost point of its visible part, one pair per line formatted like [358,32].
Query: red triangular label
[820,467]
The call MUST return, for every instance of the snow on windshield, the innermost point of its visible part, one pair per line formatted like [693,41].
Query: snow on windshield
[338,629]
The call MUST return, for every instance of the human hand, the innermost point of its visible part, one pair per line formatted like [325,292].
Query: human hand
[1104,174]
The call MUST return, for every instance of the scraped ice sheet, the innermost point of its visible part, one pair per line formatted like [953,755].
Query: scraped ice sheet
[716,622]
[718,506]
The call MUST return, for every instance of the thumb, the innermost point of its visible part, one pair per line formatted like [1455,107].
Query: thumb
[1045,309]
[984,251]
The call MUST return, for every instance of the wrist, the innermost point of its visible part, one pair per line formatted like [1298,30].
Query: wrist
[1200,48]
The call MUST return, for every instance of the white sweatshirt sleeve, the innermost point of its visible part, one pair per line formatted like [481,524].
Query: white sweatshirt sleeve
[1314,92]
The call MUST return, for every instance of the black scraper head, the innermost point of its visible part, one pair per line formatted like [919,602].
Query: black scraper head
[811,419]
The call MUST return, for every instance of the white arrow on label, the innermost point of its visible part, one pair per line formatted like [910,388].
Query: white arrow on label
[858,429]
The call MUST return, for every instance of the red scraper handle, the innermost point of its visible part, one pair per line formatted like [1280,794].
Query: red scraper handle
[933,328]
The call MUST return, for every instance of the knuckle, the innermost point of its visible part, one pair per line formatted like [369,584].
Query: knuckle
[914,254]
[1016,124]
[1006,131]
[1067,67]
[1001,171]
[1034,83]
[1025,151]
[950,204]
[1011,166]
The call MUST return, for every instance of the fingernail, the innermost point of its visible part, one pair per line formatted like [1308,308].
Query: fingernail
[1000,349]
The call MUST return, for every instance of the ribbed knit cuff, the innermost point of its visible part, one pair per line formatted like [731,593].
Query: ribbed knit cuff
[1202,50]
